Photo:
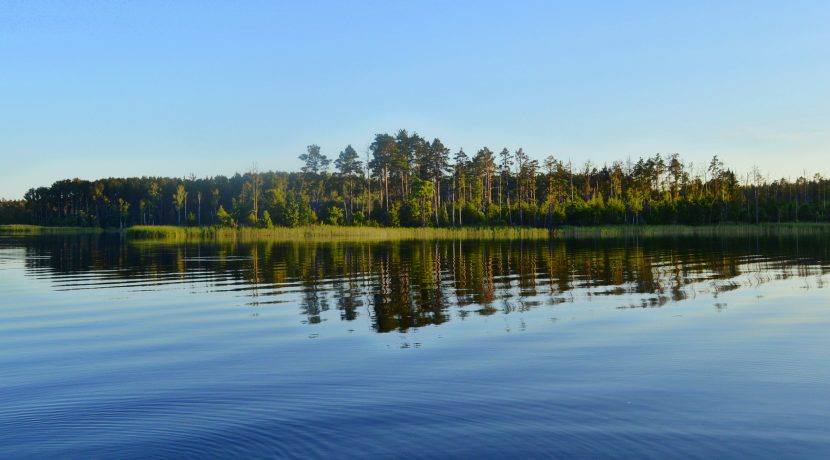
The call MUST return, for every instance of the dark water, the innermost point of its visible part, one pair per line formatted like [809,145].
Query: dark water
[632,349]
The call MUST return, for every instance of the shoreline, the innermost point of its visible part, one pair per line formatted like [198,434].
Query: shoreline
[316,233]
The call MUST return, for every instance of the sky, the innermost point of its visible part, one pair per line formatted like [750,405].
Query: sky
[94,89]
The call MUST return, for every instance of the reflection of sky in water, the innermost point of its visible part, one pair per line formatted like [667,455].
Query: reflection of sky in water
[399,286]
[707,348]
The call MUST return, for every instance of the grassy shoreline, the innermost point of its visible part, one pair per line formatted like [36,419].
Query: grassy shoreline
[684,231]
[322,233]
[318,233]
[24,229]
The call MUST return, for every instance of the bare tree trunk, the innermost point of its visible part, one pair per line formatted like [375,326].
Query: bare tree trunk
[386,186]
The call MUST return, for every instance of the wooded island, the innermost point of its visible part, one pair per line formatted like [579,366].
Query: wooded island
[407,181]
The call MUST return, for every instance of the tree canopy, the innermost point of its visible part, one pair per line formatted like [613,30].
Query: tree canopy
[408,180]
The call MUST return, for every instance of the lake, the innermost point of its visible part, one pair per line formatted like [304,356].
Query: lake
[637,348]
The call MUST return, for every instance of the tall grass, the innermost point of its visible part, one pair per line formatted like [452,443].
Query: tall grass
[319,233]
[324,233]
[678,231]
[157,232]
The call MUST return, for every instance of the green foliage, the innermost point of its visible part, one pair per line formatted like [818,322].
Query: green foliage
[410,181]
[419,204]
[290,216]
[179,197]
[471,215]
[314,161]
[614,212]
[307,215]
[358,218]
[251,219]
[334,215]
[223,218]
[266,222]
[393,217]
[443,217]
[348,163]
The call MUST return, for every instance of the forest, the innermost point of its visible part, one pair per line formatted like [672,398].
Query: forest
[405,180]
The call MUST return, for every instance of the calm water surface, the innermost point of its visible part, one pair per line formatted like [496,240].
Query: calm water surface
[634,349]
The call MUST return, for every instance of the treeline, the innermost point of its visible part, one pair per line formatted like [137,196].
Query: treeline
[14,212]
[407,180]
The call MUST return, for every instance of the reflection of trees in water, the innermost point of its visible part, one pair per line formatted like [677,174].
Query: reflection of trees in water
[402,285]
[348,291]
[407,293]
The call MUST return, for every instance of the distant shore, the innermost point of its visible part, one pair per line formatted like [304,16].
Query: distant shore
[25,229]
[325,233]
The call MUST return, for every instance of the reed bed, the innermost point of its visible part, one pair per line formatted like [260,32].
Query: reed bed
[329,233]
[682,231]
[326,233]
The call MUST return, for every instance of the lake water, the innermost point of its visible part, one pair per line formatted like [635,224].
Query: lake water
[701,348]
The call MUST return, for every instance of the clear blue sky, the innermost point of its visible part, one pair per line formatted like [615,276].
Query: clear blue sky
[111,88]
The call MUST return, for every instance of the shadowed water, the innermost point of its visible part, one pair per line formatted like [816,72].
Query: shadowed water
[648,348]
